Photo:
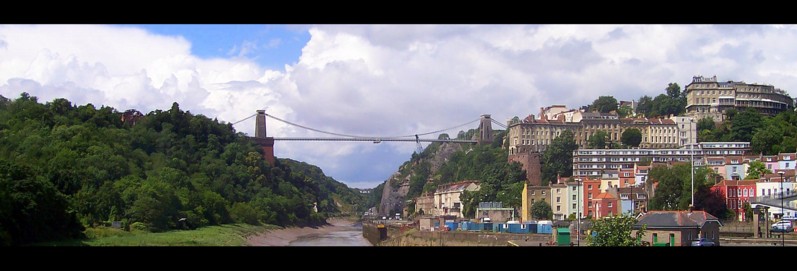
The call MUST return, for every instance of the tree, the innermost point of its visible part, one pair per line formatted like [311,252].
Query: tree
[625,111]
[558,157]
[632,137]
[598,140]
[604,104]
[643,107]
[711,201]
[706,123]
[541,210]
[744,125]
[756,170]
[673,90]
[616,232]
[674,190]
[748,211]
[777,134]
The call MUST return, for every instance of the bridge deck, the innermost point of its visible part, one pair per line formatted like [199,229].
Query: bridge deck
[375,140]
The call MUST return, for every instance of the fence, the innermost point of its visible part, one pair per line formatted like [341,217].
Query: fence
[737,227]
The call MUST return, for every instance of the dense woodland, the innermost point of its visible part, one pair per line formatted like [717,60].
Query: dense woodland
[499,180]
[64,167]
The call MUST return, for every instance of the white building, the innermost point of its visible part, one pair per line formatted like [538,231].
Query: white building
[446,197]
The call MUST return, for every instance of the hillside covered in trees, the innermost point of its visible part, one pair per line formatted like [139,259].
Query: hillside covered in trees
[440,163]
[65,167]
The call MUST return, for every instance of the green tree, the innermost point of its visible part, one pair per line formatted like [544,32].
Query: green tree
[706,123]
[777,134]
[674,190]
[604,104]
[541,210]
[598,140]
[706,136]
[744,125]
[632,137]
[558,157]
[625,111]
[616,231]
[756,170]
[673,90]
[644,106]
[748,211]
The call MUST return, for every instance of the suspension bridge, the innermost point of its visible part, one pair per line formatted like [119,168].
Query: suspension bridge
[485,134]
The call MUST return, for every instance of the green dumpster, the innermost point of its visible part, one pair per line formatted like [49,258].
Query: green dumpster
[563,236]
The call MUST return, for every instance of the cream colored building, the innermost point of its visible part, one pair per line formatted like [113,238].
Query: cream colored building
[706,97]
[446,197]
[536,134]
[559,201]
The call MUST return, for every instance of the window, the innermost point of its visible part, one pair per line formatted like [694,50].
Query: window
[610,183]
[574,197]
[557,199]
[628,174]
[745,192]
[787,165]
[532,192]
[589,196]
[574,188]
[574,205]
[610,204]
[557,191]
[543,192]
[589,187]
[738,192]
[558,208]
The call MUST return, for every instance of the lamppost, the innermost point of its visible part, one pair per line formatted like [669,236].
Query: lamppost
[692,161]
[578,212]
[782,211]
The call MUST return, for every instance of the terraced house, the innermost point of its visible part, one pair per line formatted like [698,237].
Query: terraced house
[706,97]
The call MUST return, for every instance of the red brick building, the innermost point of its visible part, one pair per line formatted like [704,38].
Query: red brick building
[627,177]
[605,204]
[591,188]
[736,193]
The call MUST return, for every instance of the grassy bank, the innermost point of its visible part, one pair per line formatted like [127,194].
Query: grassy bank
[224,235]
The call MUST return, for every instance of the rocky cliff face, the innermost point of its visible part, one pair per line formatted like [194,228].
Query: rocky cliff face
[397,186]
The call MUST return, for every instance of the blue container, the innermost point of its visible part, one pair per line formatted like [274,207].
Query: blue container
[452,226]
[465,225]
[532,227]
[498,227]
[524,228]
[544,228]
[487,226]
[514,228]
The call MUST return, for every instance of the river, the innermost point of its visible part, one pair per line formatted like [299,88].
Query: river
[349,236]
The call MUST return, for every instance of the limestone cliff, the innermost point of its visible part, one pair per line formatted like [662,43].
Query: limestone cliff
[398,185]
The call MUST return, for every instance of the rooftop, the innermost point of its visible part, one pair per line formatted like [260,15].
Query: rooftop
[675,219]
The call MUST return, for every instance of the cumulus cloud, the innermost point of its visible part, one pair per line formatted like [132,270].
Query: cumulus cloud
[381,80]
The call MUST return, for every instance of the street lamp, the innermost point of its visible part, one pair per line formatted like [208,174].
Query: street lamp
[782,211]
[692,161]
[578,212]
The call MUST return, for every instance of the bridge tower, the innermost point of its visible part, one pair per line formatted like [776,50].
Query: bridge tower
[485,130]
[267,143]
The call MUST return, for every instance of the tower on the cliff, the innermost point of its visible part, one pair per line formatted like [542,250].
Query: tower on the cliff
[485,130]
[267,143]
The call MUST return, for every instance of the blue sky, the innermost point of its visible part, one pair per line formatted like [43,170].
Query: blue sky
[271,46]
[378,79]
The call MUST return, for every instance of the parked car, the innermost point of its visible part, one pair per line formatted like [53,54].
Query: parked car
[703,242]
[782,226]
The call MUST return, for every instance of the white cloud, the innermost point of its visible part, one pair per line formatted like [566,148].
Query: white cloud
[387,80]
